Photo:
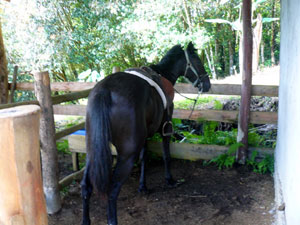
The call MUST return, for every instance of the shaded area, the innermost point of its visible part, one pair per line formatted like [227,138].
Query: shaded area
[207,196]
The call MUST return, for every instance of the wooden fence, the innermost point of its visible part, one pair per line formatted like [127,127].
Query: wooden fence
[80,90]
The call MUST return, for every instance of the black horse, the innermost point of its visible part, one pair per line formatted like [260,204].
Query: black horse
[125,109]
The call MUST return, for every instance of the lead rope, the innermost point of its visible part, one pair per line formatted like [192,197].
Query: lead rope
[194,105]
[192,99]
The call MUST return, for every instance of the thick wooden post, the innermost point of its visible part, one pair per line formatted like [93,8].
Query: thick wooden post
[244,112]
[48,144]
[21,190]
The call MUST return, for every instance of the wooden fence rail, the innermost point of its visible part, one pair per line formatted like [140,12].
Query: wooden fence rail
[216,89]
[208,115]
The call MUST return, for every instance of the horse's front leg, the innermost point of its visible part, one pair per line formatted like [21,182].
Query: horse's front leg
[167,159]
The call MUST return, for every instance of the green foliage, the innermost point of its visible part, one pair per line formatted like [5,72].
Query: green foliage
[188,104]
[228,159]
[218,105]
[63,146]
[266,165]
[71,37]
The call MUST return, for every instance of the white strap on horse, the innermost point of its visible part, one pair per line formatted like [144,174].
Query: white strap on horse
[153,84]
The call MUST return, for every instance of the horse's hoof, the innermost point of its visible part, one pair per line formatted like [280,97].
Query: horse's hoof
[174,183]
[143,190]
[86,222]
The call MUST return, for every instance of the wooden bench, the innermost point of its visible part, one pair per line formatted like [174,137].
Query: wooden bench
[185,151]
[77,145]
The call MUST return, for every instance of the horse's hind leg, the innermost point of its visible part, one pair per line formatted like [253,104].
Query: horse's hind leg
[86,191]
[121,173]
[142,185]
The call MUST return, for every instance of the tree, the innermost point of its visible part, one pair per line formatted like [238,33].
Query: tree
[236,25]
[3,71]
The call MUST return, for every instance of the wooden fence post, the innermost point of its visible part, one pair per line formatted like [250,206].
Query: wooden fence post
[21,191]
[116,69]
[13,84]
[48,144]
[244,112]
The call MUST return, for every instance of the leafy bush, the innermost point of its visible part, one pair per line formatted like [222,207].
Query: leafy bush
[63,146]
[228,159]
[266,165]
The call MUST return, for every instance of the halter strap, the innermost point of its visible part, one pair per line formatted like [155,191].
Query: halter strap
[189,65]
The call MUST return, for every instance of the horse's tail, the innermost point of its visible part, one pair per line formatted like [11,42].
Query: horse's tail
[98,140]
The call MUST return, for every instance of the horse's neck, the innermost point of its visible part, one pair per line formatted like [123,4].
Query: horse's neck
[169,74]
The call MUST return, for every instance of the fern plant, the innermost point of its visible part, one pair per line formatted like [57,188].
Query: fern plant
[264,166]
[227,160]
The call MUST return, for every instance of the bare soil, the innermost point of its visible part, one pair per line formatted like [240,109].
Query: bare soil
[207,196]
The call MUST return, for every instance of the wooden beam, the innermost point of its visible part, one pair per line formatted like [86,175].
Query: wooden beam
[70,97]
[22,198]
[70,178]
[178,150]
[69,130]
[47,134]
[59,86]
[71,110]
[244,113]
[216,89]
[10,105]
[196,152]
[226,116]
[208,115]
[230,89]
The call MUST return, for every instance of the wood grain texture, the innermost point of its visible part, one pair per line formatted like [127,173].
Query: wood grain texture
[22,197]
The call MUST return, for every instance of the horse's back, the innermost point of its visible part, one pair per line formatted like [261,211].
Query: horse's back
[136,108]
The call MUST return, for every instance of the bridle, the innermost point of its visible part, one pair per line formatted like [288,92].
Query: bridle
[199,80]
[197,83]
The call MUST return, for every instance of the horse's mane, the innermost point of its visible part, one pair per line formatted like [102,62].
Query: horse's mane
[175,53]
[172,55]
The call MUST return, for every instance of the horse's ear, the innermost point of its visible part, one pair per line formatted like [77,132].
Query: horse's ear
[191,47]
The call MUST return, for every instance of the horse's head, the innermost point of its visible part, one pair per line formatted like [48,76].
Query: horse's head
[194,70]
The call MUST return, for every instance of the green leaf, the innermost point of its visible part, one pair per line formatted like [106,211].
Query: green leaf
[234,147]
[218,105]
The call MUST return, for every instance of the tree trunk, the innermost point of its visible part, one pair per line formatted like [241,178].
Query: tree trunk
[187,15]
[3,72]
[244,112]
[48,144]
[273,34]
[13,85]
[213,68]
[217,52]
[241,57]
[231,56]
[257,34]
[208,61]
[262,52]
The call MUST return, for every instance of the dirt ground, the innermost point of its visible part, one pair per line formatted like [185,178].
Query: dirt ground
[207,196]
